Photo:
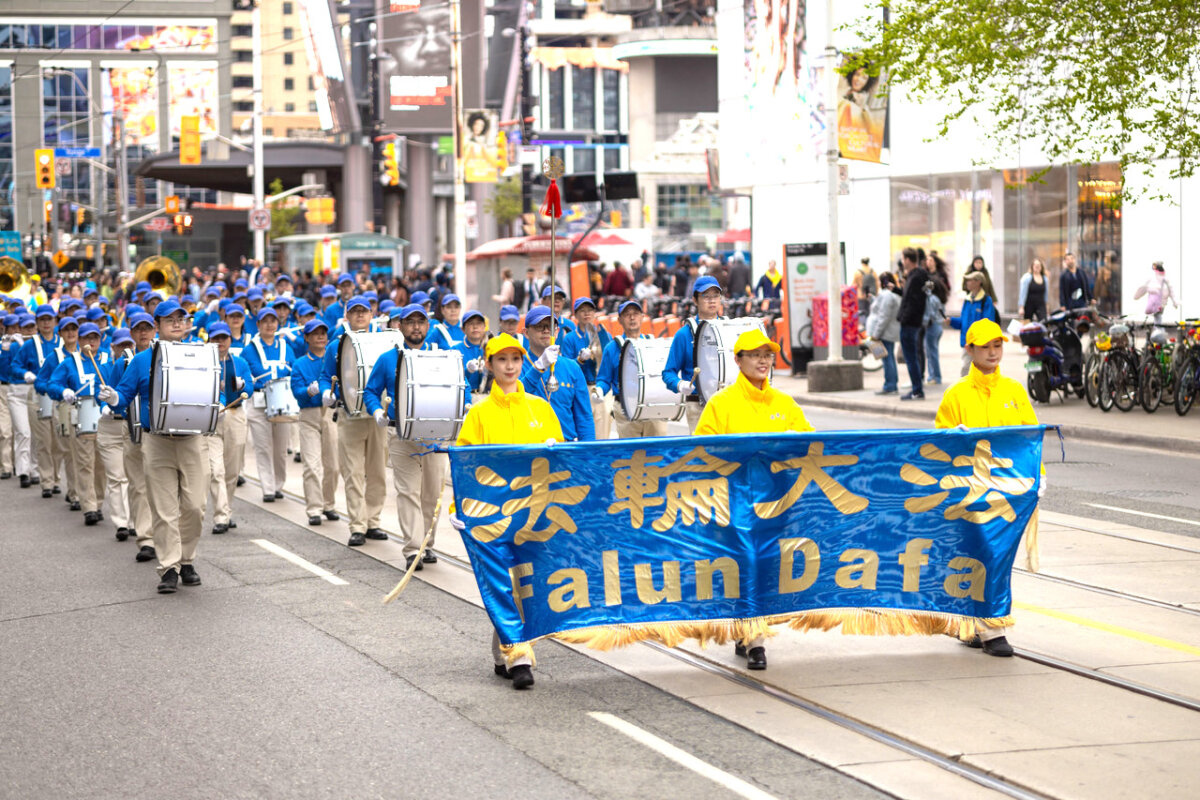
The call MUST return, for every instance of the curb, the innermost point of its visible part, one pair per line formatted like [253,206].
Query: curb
[1085,433]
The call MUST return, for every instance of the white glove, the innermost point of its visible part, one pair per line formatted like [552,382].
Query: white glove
[597,393]
[239,383]
[685,388]
[18,339]
[30,377]
[473,365]
[313,389]
[329,399]
[380,418]
[551,441]
[585,355]
[1042,487]
[961,427]
[108,395]
[105,411]
[457,523]
[68,396]
[547,358]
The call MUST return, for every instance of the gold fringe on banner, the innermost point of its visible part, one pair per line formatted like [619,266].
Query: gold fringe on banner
[855,621]
[1033,556]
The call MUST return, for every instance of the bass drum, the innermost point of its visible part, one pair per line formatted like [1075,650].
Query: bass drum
[713,353]
[430,395]
[356,356]
[133,420]
[643,395]
[185,388]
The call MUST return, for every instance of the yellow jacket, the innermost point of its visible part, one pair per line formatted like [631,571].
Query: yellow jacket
[742,408]
[512,418]
[985,401]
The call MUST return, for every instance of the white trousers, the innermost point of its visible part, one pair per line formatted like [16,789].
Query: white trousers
[6,431]
[17,401]
[110,452]
[270,449]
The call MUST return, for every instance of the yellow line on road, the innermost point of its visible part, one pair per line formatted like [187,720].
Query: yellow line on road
[1107,628]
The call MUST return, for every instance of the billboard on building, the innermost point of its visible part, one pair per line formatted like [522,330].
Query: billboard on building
[134,92]
[862,113]
[481,163]
[336,109]
[414,64]
[193,92]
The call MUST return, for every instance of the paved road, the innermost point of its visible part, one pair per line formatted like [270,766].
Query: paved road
[269,682]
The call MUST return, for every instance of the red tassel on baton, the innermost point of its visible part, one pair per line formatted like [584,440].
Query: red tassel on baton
[553,205]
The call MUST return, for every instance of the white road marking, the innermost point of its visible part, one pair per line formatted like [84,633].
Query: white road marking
[1145,514]
[288,555]
[682,757]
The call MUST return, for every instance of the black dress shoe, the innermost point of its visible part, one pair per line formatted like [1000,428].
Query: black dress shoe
[132,533]
[278,495]
[314,520]
[739,649]
[35,479]
[122,534]
[56,490]
[5,476]
[522,676]
[168,582]
[90,518]
[430,557]
[974,642]
[220,528]
[408,562]
[357,540]
[377,533]
[188,575]
[332,516]
[232,524]
[75,506]
[913,396]
[756,658]
[296,458]
[268,498]
[502,671]
[25,482]
[145,553]
[47,493]
[240,481]
[99,516]
[998,647]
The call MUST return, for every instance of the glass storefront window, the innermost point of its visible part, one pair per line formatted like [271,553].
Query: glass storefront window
[103,35]
[66,122]
[583,97]
[691,204]
[7,220]
[1099,232]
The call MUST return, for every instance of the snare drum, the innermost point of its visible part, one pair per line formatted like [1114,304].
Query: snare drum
[88,415]
[45,406]
[282,405]
[357,353]
[64,419]
[643,395]
[713,354]
[133,420]
[185,388]
[430,394]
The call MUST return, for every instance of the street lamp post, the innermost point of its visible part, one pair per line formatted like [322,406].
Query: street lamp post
[260,247]
[460,194]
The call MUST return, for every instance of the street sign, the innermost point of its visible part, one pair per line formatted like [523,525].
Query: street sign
[159,224]
[60,259]
[77,152]
[10,244]
[260,219]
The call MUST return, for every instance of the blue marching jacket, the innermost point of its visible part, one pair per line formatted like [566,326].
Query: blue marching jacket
[571,403]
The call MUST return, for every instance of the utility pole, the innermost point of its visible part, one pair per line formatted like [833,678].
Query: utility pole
[831,177]
[122,184]
[260,247]
[460,197]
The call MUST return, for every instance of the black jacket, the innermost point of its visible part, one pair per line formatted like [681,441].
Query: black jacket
[912,302]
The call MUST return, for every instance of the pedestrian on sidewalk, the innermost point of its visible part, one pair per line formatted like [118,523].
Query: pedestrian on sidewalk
[1033,292]
[883,326]
[976,306]
[867,285]
[1073,289]
[937,292]
[977,265]
[1157,291]
[912,320]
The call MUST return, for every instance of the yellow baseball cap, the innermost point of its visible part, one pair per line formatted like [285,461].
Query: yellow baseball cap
[983,331]
[752,340]
[502,342]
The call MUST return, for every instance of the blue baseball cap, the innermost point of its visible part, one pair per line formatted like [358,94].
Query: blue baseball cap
[397,312]
[536,315]
[241,283]
[155,296]
[254,294]
[413,308]
[266,311]
[219,329]
[46,310]
[557,290]
[283,276]
[357,302]
[234,308]
[419,297]
[303,309]
[450,298]
[386,306]
[581,300]
[10,319]
[67,322]
[314,324]
[133,308]
[167,308]
[94,313]
[80,314]
[345,278]
[101,300]
[90,290]
[121,336]
[509,312]
[371,296]
[224,303]
[473,313]
[25,320]
[187,298]
[89,328]
[282,300]
[212,291]
[704,284]
[627,304]
[141,318]
[328,291]
[142,286]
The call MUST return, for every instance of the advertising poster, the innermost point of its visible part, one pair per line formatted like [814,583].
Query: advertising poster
[806,268]
[480,161]
[135,96]
[862,114]
[193,92]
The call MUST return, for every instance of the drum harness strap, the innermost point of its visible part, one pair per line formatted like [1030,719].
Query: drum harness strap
[262,355]
[79,371]
[442,329]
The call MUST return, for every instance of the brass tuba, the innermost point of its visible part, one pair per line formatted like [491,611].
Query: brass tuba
[162,274]
[14,278]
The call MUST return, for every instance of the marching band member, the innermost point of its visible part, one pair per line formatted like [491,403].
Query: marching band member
[417,475]
[608,379]
[362,445]
[570,401]
[254,304]
[235,318]
[475,334]
[565,325]
[227,448]
[987,399]
[336,310]
[110,443]
[26,363]
[176,467]
[509,415]
[447,333]
[268,360]
[318,433]
[679,371]
[151,302]
[8,347]
[423,300]
[510,320]
[328,300]
[751,405]
[304,315]
[143,331]
[586,345]
[60,436]
[77,375]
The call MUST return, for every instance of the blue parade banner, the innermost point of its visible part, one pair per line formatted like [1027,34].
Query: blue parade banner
[717,536]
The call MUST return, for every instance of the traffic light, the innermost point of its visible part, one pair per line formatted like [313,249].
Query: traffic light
[501,149]
[189,139]
[48,211]
[80,218]
[173,204]
[183,224]
[320,211]
[391,165]
[44,168]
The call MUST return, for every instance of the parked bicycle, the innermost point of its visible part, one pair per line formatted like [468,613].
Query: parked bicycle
[1118,370]
[1188,382]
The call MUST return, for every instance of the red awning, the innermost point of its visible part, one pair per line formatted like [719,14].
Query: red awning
[734,235]
[529,245]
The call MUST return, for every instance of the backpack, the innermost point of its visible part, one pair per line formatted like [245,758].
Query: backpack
[935,310]
[870,283]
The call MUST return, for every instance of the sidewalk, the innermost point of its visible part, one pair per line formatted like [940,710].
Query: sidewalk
[1164,429]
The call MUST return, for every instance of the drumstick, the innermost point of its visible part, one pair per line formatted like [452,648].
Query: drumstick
[408,573]
[232,403]
[92,358]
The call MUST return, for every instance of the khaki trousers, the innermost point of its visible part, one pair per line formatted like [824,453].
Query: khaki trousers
[43,443]
[110,450]
[418,480]
[232,430]
[636,430]
[362,458]
[139,505]
[694,410]
[270,450]
[318,453]
[601,416]
[63,453]
[498,655]
[83,461]
[176,479]
[6,431]
[18,407]
[218,495]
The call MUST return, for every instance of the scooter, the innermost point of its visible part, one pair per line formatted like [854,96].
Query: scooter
[1055,353]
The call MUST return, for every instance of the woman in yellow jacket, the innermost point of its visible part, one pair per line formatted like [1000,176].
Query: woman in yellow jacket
[987,399]
[508,416]
[751,405]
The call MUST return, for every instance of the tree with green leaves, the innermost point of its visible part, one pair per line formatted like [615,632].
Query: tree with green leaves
[1086,80]
[504,203]
[283,217]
